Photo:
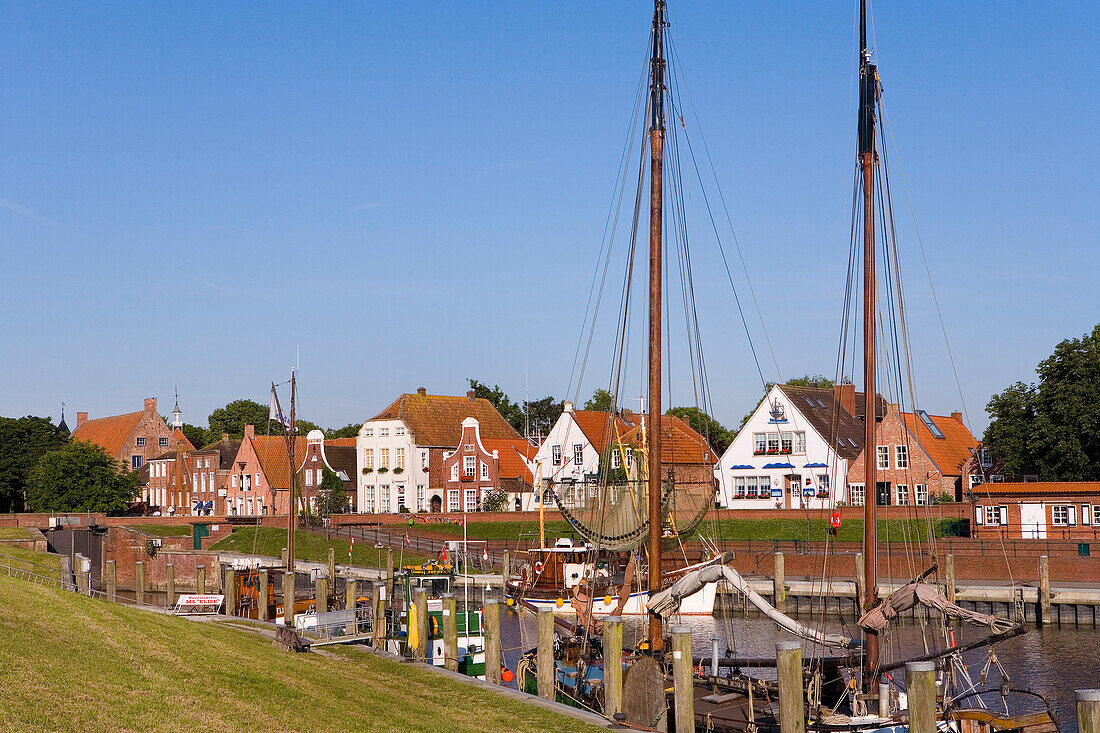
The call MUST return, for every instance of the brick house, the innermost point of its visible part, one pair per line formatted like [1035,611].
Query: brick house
[133,438]
[402,450]
[259,481]
[336,455]
[1036,509]
[478,467]
[196,490]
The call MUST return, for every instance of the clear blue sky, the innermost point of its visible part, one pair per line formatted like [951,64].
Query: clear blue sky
[414,193]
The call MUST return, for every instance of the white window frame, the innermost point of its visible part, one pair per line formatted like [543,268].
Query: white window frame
[309,477]
[975,480]
[399,430]
[901,456]
[368,458]
[752,484]
[484,471]
[368,432]
[383,432]
[800,442]
[454,471]
[578,454]
[399,458]
[764,489]
[902,494]
[454,500]
[1086,514]
[786,442]
[921,492]
[469,465]
[882,452]
[555,455]
[420,497]
[471,500]
[384,498]
[773,442]
[1055,519]
[857,494]
[739,487]
[759,442]
[368,499]
[384,458]
[823,482]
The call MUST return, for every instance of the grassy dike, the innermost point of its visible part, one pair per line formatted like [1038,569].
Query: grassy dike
[68,662]
[270,541]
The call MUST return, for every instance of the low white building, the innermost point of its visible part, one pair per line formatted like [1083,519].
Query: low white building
[794,451]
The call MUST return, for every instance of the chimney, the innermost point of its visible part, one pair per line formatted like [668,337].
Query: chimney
[81,418]
[225,437]
[470,393]
[422,391]
[151,404]
[845,394]
[567,406]
[249,432]
[957,416]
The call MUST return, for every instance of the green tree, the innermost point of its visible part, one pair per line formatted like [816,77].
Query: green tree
[198,436]
[601,401]
[23,442]
[716,434]
[350,430]
[81,477]
[1010,434]
[332,498]
[233,417]
[511,411]
[494,500]
[543,414]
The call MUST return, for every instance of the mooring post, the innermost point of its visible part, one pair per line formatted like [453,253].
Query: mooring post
[332,566]
[112,581]
[283,557]
[506,566]
[391,578]
[320,594]
[261,595]
[545,649]
[230,589]
[170,584]
[378,604]
[139,582]
[861,592]
[351,593]
[420,600]
[612,665]
[920,684]
[491,616]
[1044,589]
[884,699]
[200,579]
[288,599]
[683,689]
[949,573]
[1088,711]
[450,632]
[779,584]
[788,663]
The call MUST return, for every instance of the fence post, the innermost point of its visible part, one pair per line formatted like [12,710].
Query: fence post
[351,593]
[1088,711]
[139,582]
[491,616]
[545,650]
[230,590]
[112,583]
[170,583]
[450,632]
[200,579]
[683,689]
[613,665]
[920,684]
[788,661]
[779,584]
[1044,588]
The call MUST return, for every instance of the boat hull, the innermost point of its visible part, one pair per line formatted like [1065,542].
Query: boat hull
[700,603]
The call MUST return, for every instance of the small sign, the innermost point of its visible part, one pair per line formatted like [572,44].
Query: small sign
[834,520]
[198,604]
[777,415]
[777,493]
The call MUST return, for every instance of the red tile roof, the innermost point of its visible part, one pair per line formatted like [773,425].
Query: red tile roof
[511,454]
[345,442]
[110,433]
[181,440]
[950,452]
[600,428]
[436,420]
[680,443]
[272,454]
[1037,488]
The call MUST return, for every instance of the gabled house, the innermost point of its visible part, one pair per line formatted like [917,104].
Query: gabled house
[402,451]
[259,481]
[336,455]
[134,438]
[1036,509]
[478,467]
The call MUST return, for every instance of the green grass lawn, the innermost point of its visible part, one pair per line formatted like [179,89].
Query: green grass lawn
[164,530]
[40,563]
[14,533]
[68,662]
[504,530]
[309,546]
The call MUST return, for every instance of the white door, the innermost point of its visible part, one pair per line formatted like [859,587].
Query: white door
[1033,521]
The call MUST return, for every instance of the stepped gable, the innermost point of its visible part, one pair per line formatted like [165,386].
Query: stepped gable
[950,452]
[436,420]
[840,428]
[272,454]
[110,433]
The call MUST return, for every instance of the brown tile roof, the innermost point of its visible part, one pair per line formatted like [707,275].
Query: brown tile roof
[1041,488]
[181,440]
[342,457]
[600,428]
[344,442]
[110,433]
[436,420]
[272,454]
[680,443]
[950,452]
[511,454]
[842,430]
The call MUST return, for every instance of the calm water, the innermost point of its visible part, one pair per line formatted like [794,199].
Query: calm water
[1055,661]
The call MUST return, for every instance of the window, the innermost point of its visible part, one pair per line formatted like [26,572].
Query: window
[856,494]
[922,494]
[204,482]
[759,442]
[629,457]
[368,432]
[823,483]
[883,452]
[786,441]
[750,486]
[578,454]
[135,462]
[1063,516]
[995,515]
[384,458]
[471,500]
[1096,514]
[399,458]
[739,486]
[368,458]
[800,442]
[309,477]
[423,459]
[384,496]
[399,431]
[773,442]
[233,481]
[141,442]
[452,501]
[454,471]
[383,432]
[484,471]
[400,496]
[987,458]
[556,453]
[903,494]
[765,486]
[162,442]
[419,497]
[975,479]
[368,503]
[469,465]
[257,478]
[616,459]
[901,456]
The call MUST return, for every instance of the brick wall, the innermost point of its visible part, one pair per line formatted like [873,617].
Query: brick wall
[127,546]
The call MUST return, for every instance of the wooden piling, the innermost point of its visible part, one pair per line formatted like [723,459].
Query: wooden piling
[351,593]
[861,591]
[792,709]
[139,582]
[506,566]
[1044,590]
[283,557]
[545,650]
[288,599]
[1088,711]
[320,594]
[491,617]
[613,665]
[170,584]
[450,632]
[378,604]
[261,595]
[920,684]
[420,601]
[332,566]
[200,579]
[949,573]
[779,584]
[230,593]
[683,688]
[111,577]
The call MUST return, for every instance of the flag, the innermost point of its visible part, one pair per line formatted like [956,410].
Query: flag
[407,542]
[351,547]
[273,411]
[485,553]
[443,558]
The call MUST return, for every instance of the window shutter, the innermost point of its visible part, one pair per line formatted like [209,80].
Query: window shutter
[1072,511]
[979,515]
[1086,511]
[1004,516]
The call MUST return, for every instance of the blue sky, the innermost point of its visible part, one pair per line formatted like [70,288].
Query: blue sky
[414,193]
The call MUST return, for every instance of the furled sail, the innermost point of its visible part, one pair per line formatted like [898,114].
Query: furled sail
[914,592]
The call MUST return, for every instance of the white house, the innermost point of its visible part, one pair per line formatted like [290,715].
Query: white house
[794,451]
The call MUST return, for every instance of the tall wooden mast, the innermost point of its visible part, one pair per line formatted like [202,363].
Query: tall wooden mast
[656,198]
[292,505]
[868,85]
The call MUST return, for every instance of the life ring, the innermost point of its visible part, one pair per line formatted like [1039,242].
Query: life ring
[433,626]
[538,566]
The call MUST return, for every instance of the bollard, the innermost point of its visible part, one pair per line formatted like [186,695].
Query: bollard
[262,593]
[420,601]
[683,689]
[170,583]
[1088,711]
[283,557]
[332,565]
[545,648]
[230,594]
[112,584]
[288,599]
[139,582]
[320,594]
[200,579]
[613,665]
[861,592]
[506,566]
[378,609]
[779,584]
[391,580]
[491,616]
[351,598]
[788,663]
[1044,589]
[949,573]
[883,700]
[920,684]
[450,632]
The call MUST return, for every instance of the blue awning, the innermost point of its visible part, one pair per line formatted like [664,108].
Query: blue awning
[779,465]
[740,466]
[816,465]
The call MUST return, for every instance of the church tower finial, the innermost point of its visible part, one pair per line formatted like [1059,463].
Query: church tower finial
[177,415]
